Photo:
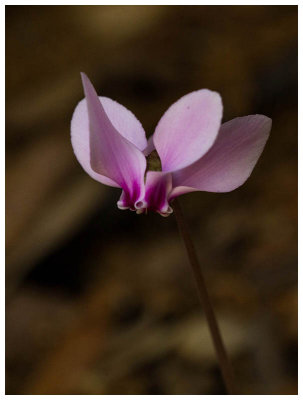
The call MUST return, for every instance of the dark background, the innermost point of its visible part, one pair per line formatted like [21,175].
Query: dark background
[101,301]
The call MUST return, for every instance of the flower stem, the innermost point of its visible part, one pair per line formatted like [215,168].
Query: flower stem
[224,363]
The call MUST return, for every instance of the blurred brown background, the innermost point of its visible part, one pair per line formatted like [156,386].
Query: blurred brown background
[101,301]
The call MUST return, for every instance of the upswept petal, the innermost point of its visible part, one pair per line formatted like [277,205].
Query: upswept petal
[80,143]
[188,129]
[111,155]
[121,118]
[230,161]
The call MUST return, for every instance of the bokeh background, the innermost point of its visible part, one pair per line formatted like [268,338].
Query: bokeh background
[102,301]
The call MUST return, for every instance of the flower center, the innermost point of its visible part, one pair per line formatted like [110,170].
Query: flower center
[156,185]
[153,162]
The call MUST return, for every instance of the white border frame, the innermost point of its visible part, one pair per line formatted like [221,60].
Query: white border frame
[300,192]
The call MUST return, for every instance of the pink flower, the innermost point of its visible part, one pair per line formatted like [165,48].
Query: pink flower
[190,149]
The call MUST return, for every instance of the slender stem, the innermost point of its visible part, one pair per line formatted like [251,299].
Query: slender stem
[224,363]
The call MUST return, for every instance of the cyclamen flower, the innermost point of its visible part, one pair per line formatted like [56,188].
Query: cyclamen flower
[189,151]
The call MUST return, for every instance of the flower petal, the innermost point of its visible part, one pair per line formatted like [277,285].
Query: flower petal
[188,129]
[125,122]
[230,161]
[150,146]
[80,143]
[111,154]
[157,188]
[122,119]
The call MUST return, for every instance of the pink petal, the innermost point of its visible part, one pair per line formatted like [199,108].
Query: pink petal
[111,155]
[157,188]
[150,146]
[125,122]
[80,143]
[188,129]
[230,161]
[122,119]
